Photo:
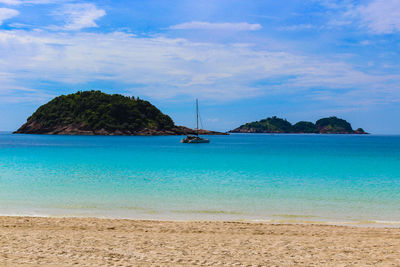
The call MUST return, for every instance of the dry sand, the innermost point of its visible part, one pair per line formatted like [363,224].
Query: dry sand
[101,242]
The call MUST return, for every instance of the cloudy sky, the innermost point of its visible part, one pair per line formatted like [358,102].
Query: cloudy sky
[244,59]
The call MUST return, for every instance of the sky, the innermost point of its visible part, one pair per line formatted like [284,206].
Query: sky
[244,60]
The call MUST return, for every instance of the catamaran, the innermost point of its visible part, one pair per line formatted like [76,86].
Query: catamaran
[195,139]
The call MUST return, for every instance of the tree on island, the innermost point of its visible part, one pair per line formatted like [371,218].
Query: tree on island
[305,127]
[272,125]
[333,125]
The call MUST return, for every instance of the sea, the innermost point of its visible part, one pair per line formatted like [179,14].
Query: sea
[279,178]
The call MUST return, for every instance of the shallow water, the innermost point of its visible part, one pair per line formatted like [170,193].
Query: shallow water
[282,178]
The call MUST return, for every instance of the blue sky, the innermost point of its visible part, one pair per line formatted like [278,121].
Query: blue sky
[245,60]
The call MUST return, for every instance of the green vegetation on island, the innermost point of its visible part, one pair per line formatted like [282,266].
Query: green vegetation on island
[331,125]
[94,112]
[305,127]
[97,110]
[270,125]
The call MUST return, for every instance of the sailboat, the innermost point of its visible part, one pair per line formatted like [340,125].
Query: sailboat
[195,139]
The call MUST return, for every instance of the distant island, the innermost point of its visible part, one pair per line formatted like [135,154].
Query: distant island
[97,113]
[331,125]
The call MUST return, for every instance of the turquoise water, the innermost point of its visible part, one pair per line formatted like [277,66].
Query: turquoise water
[279,178]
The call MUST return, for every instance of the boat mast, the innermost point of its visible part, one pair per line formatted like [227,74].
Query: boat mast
[197,117]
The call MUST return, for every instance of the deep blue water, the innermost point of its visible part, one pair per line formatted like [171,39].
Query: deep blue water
[332,178]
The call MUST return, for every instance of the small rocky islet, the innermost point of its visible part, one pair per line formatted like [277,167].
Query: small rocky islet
[330,125]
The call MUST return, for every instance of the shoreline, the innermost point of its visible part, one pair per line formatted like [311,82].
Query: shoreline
[379,224]
[94,242]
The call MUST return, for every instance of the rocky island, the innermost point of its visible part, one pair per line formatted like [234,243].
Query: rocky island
[331,125]
[97,113]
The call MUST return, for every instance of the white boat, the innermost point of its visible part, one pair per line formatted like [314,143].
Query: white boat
[192,139]
[195,139]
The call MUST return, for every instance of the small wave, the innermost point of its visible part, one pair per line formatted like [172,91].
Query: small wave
[388,222]
[207,212]
[76,206]
[132,208]
[293,216]
[359,223]
[139,209]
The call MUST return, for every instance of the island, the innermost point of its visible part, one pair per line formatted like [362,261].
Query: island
[331,125]
[98,113]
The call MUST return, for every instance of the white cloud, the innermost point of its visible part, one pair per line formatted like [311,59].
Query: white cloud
[377,16]
[19,25]
[365,42]
[79,16]
[11,92]
[168,68]
[380,16]
[10,2]
[202,25]
[6,13]
[298,27]
[21,2]
[335,4]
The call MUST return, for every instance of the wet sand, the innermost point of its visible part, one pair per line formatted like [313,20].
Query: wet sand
[30,241]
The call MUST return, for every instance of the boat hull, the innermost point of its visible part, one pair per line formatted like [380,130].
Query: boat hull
[199,141]
[196,140]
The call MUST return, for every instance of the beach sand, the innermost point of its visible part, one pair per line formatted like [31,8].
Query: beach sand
[30,241]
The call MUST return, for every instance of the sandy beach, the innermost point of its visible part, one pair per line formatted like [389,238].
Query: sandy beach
[111,242]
